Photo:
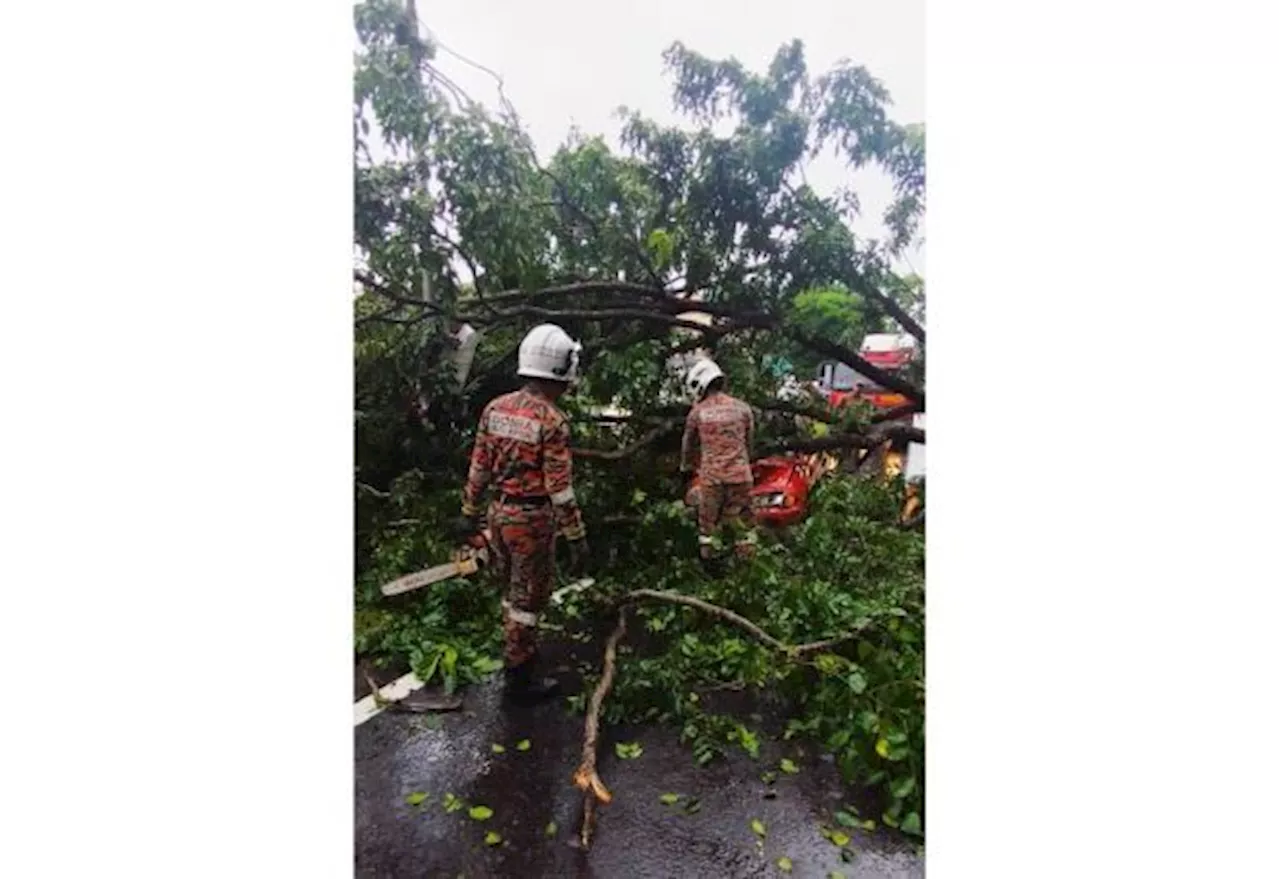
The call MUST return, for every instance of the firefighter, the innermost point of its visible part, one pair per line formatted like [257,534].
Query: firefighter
[522,451]
[722,429]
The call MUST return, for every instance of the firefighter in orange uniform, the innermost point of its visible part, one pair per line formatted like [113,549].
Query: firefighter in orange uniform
[522,451]
[722,429]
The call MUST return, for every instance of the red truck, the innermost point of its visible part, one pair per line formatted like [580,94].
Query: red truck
[839,383]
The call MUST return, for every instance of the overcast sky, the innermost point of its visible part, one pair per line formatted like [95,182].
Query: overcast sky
[573,62]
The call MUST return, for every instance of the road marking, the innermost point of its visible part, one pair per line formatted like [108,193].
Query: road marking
[393,692]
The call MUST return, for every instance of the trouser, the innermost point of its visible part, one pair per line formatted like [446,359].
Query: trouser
[724,504]
[523,544]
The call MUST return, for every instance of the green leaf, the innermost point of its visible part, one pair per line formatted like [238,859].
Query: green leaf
[497,749]
[551,829]
[839,837]
[486,665]
[758,828]
[846,820]
[493,837]
[835,874]
[902,788]
[628,750]
[911,824]
[868,825]
[769,777]
[692,806]
[784,864]
[415,799]
[480,813]
[451,803]
[882,747]
[669,799]
[788,767]
[524,745]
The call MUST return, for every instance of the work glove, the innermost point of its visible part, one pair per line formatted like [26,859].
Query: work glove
[579,556]
[465,527]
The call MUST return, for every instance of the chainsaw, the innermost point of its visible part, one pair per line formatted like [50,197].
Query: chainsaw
[467,559]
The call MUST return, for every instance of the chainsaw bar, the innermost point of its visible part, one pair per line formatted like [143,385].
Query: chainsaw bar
[418,579]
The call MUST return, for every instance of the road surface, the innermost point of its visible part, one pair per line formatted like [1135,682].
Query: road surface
[537,811]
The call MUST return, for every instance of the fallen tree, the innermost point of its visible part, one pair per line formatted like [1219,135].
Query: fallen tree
[686,239]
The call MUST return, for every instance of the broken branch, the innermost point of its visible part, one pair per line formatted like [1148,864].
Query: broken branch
[626,451]
[586,778]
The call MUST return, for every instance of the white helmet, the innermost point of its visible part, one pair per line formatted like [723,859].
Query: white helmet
[701,375]
[548,352]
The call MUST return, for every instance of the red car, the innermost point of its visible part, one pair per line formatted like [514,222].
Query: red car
[780,496]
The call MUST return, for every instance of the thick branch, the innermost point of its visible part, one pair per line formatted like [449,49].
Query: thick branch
[627,451]
[593,314]
[586,778]
[375,286]
[895,413]
[580,288]
[848,357]
[850,440]
[896,311]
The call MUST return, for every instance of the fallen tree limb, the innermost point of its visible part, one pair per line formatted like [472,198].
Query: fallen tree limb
[579,288]
[791,650]
[627,451]
[551,314]
[849,440]
[587,778]
[886,380]
[896,311]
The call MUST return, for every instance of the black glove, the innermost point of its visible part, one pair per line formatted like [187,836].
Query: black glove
[579,555]
[466,527]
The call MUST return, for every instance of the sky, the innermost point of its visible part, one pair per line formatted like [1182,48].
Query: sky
[574,62]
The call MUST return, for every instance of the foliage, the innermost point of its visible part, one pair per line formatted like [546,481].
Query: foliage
[847,565]
[461,219]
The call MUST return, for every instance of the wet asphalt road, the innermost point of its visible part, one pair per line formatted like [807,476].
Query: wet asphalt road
[636,836]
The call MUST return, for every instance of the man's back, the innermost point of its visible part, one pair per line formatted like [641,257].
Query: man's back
[724,427]
[514,429]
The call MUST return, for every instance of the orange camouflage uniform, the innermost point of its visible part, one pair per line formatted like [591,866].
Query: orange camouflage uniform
[722,428]
[522,450]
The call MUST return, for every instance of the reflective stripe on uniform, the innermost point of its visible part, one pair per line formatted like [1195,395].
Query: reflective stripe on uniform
[561,498]
[523,617]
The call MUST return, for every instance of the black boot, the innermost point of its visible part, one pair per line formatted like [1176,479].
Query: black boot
[523,684]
